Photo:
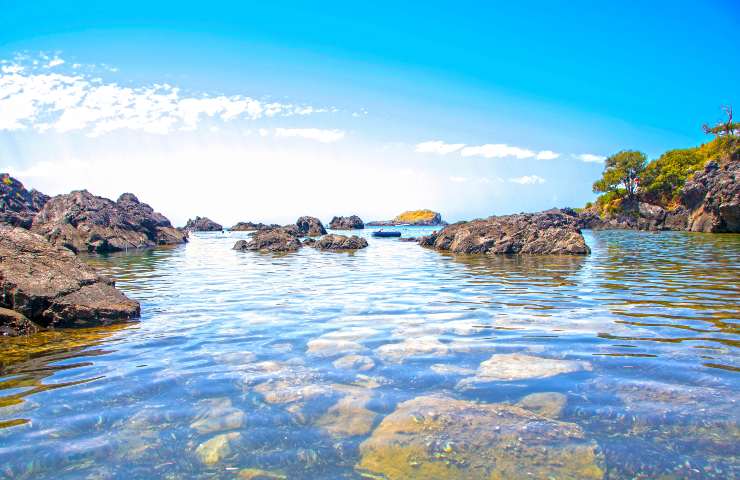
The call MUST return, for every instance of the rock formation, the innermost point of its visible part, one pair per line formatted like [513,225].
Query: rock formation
[273,240]
[202,224]
[310,226]
[352,222]
[340,242]
[18,206]
[84,222]
[547,233]
[49,286]
[250,226]
[412,217]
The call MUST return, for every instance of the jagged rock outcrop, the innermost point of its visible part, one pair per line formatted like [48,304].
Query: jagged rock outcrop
[273,240]
[18,206]
[310,226]
[340,242]
[13,324]
[713,198]
[412,217]
[554,232]
[49,286]
[353,222]
[84,222]
[202,224]
[250,226]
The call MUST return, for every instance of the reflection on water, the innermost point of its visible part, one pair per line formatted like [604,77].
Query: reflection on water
[251,364]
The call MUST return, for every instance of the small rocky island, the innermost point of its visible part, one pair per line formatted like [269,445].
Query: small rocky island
[554,232]
[202,224]
[421,218]
[353,222]
[287,238]
[251,226]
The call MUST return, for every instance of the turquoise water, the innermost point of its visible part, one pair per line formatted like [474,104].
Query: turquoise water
[250,344]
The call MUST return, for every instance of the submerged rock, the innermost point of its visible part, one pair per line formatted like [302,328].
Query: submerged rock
[412,347]
[217,415]
[310,226]
[516,366]
[546,404]
[349,417]
[52,288]
[274,240]
[552,233]
[332,347]
[250,226]
[340,242]
[352,222]
[259,474]
[202,224]
[361,363]
[18,206]
[217,448]
[441,437]
[83,222]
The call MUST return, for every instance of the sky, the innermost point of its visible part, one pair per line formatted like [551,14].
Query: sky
[266,111]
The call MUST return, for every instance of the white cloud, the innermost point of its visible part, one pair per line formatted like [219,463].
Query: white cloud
[317,134]
[458,179]
[438,147]
[31,97]
[590,157]
[528,180]
[547,155]
[496,150]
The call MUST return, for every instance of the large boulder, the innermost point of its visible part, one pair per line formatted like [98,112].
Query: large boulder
[310,226]
[251,226]
[273,240]
[340,242]
[202,224]
[353,222]
[49,286]
[713,198]
[18,206]
[441,437]
[84,222]
[553,232]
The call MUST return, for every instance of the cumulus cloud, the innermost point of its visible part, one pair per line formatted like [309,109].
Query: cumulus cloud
[528,180]
[32,97]
[317,134]
[547,155]
[590,157]
[438,147]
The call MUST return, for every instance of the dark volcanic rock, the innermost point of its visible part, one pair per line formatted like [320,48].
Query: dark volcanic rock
[18,206]
[250,226]
[274,240]
[310,226]
[340,242]
[552,232]
[202,224]
[49,286]
[713,198]
[352,222]
[83,222]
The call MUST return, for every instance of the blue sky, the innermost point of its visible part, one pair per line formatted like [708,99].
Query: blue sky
[470,108]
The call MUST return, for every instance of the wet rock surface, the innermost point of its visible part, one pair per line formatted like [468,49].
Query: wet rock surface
[310,226]
[546,404]
[217,448]
[218,415]
[13,324]
[441,437]
[52,288]
[273,240]
[353,222]
[349,417]
[713,197]
[202,224]
[84,222]
[552,232]
[340,242]
[18,206]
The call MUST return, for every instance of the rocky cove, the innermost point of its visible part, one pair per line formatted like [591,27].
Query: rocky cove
[496,348]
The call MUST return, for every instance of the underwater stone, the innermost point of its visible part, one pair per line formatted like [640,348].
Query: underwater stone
[361,363]
[547,404]
[217,448]
[516,366]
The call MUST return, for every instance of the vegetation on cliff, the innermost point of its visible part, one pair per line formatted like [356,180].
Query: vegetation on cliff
[417,216]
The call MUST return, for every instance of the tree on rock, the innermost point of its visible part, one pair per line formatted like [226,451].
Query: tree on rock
[724,129]
[622,171]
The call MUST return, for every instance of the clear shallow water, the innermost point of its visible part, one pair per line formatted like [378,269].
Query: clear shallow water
[248,343]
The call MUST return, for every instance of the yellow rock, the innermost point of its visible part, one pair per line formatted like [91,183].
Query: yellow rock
[257,474]
[217,448]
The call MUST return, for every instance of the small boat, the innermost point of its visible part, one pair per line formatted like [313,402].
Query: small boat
[382,234]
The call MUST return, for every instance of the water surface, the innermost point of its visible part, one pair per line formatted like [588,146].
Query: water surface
[257,344]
